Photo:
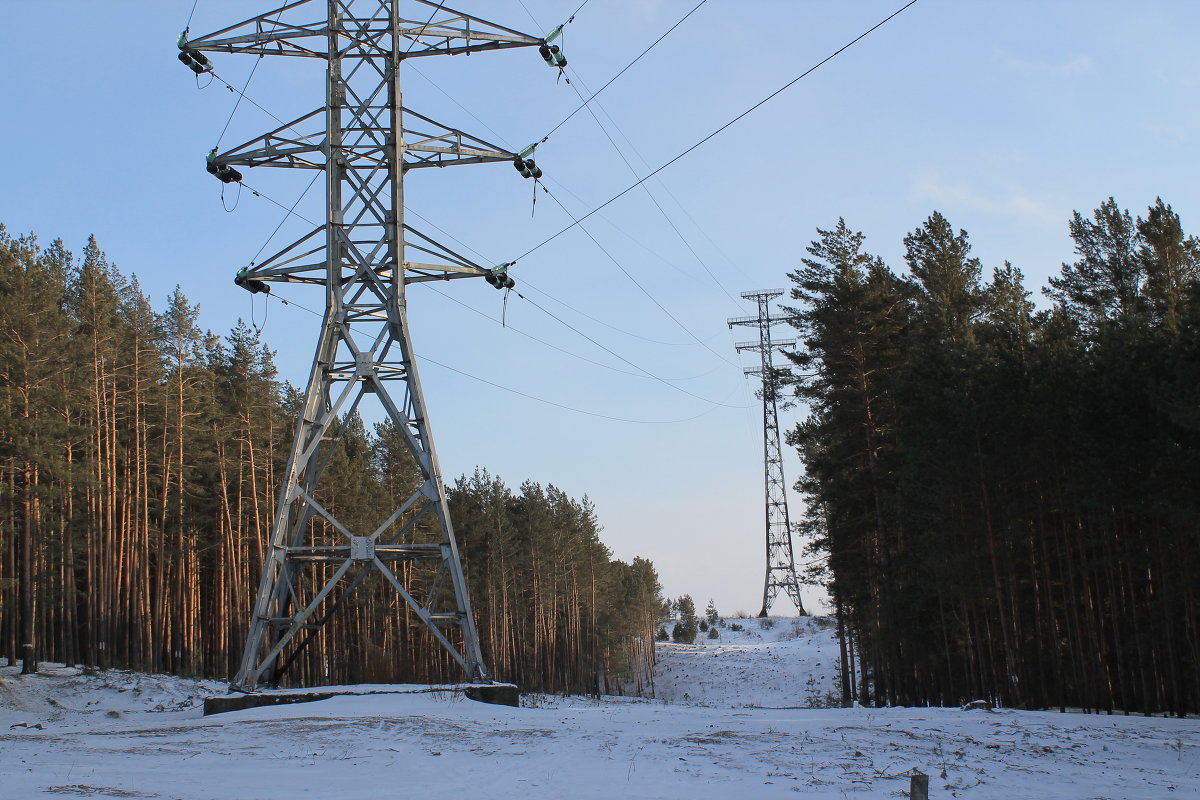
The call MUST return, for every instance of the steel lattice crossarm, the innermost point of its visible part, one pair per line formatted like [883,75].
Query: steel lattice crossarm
[365,140]
[431,145]
[781,570]
[756,347]
[445,32]
[754,322]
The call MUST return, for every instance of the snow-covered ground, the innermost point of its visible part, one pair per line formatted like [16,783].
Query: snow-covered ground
[772,663]
[739,733]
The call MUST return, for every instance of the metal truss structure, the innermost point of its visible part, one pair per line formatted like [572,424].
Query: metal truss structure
[365,140]
[781,565]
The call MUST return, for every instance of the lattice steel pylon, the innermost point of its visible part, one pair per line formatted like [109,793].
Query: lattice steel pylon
[365,140]
[781,565]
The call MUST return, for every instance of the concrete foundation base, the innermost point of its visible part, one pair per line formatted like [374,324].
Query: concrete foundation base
[499,694]
[220,705]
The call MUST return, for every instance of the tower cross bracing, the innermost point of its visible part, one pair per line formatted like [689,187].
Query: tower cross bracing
[365,140]
[781,567]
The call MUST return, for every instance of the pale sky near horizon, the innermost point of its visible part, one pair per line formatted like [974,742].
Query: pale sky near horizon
[1005,117]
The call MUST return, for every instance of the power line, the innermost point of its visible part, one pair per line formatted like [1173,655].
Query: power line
[636,241]
[523,394]
[663,381]
[552,346]
[635,282]
[598,321]
[653,199]
[242,93]
[560,405]
[642,370]
[252,102]
[289,212]
[752,108]
[528,284]
[576,11]
[187,25]
[664,186]
[421,32]
[623,70]
[500,137]
[503,140]
[530,14]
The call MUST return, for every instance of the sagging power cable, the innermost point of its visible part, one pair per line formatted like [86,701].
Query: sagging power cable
[623,69]
[560,405]
[663,381]
[525,282]
[421,32]
[654,200]
[728,124]
[636,283]
[552,346]
[287,302]
[662,184]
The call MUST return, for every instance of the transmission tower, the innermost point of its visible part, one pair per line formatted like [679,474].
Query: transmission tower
[781,565]
[365,140]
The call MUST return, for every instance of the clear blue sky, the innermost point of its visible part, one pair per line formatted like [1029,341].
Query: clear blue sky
[1004,116]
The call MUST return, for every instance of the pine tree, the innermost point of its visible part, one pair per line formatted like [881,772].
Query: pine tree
[688,625]
[710,612]
[33,354]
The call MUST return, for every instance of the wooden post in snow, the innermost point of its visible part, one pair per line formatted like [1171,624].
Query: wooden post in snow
[918,786]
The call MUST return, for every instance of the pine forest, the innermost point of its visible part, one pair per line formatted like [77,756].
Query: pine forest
[141,462]
[1003,500]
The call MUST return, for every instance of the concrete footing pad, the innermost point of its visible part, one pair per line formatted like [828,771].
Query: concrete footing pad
[499,694]
[502,694]
[240,702]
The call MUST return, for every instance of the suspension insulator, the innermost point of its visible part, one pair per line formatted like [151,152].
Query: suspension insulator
[223,172]
[552,55]
[194,60]
[527,167]
[498,277]
[252,285]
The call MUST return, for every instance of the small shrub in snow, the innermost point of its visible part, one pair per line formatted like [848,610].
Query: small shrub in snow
[736,627]
[662,635]
[766,623]
[713,633]
[703,625]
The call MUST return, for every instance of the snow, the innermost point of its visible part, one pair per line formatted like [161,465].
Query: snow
[740,716]
[776,663]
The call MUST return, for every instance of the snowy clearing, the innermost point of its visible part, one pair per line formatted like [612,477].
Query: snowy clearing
[126,735]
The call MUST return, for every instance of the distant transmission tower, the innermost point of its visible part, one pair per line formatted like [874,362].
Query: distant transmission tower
[365,140]
[781,565]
